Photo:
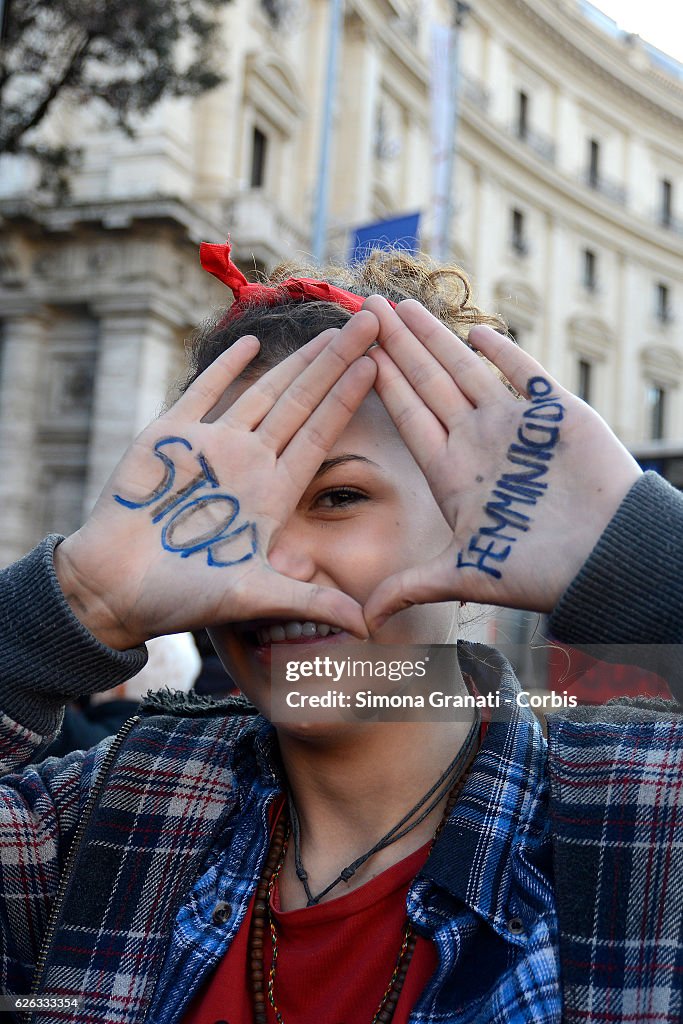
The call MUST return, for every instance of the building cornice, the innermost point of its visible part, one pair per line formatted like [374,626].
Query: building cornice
[583,43]
[146,260]
[112,214]
[410,62]
[567,31]
[512,163]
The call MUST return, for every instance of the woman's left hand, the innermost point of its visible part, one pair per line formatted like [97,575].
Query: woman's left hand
[527,484]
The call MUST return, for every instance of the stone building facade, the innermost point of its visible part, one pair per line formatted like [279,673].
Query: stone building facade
[568,214]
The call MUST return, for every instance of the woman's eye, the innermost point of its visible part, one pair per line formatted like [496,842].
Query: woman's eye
[339,497]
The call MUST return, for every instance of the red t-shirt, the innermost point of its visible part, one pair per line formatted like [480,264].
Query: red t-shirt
[335,959]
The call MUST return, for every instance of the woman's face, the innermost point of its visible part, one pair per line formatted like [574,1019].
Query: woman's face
[367,514]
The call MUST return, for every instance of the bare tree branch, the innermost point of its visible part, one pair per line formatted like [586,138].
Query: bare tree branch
[9,143]
[125,54]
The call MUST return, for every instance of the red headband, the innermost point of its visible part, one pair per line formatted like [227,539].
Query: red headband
[216,259]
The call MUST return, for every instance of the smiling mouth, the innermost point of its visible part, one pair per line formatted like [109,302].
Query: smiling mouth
[291,631]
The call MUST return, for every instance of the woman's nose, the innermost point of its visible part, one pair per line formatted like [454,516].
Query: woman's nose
[293,556]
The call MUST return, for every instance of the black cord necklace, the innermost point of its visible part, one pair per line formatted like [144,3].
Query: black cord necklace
[262,923]
[426,804]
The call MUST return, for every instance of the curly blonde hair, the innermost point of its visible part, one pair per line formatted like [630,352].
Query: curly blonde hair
[284,327]
[397,274]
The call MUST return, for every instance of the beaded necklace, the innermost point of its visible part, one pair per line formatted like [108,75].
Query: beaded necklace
[262,990]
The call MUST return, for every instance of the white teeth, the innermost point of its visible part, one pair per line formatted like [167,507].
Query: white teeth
[279,632]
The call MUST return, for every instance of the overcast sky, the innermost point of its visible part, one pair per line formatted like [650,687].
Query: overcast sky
[660,22]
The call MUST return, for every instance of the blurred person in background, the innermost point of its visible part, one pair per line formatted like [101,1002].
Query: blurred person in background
[213,680]
[172,661]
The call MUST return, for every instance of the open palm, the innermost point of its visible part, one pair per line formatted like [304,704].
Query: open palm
[527,482]
[181,533]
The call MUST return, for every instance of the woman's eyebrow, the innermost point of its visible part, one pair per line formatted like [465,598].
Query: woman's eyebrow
[340,460]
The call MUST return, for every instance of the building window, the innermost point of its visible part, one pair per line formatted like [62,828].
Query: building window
[656,401]
[663,303]
[589,270]
[593,163]
[522,114]
[666,203]
[259,149]
[583,389]
[518,241]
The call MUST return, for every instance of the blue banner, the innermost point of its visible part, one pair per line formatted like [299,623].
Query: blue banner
[397,233]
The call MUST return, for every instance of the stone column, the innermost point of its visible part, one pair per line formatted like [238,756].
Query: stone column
[24,335]
[135,364]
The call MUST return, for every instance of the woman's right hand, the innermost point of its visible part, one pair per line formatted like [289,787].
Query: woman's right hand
[180,536]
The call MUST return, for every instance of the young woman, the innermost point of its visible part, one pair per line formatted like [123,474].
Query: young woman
[342,469]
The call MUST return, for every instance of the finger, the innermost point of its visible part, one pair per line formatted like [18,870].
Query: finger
[304,394]
[427,374]
[429,583]
[516,364]
[469,371]
[261,396]
[209,387]
[422,432]
[308,448]
[308,602]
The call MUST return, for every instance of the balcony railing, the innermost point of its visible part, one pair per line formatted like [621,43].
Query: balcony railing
[591,286]
[609,189]
[520,246]
[258,221]
[541,144]
[475,92]
[666,220]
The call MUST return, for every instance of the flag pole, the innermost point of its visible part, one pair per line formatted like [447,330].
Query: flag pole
[322,189]
[443,237]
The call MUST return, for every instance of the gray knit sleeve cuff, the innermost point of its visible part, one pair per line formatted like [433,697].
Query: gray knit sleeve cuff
[630,589]
[47,657]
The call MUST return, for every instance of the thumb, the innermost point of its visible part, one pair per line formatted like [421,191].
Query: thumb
[429,583]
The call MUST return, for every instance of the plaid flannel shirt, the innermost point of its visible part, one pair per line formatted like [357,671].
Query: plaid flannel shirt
[182,822]
[484,897]
[617,819]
